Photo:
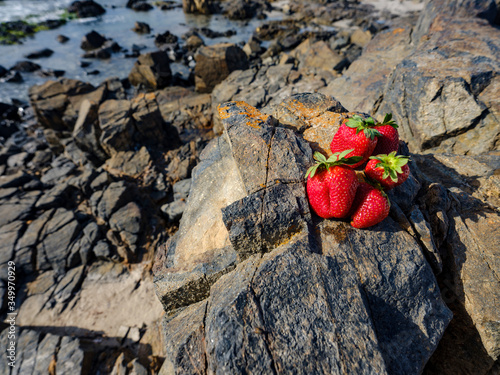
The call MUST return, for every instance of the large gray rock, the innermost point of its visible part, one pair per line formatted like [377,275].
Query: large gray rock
[444,95]
[307,295]
[214,63]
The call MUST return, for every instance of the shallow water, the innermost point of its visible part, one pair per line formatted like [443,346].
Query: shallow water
[116,24]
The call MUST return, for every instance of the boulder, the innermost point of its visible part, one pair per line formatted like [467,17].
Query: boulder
[86,8]
[92,40]
[45,52]
[56,103]
[141,28]
[215,63]
[151,70]
[317,54]
[87,131]
[116,126]
[306,294]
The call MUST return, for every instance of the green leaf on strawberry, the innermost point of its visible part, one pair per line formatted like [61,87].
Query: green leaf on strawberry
[363,125]
[389,170]
[338,158]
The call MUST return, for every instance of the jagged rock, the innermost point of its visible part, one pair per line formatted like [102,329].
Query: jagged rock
[116,126]
[45,52]
[151,70]
[26,67]
[87,132]
[263,308]
[141,6]
[61,169]
[129,163]
[55,240]
[114,197]
[18,207]
[194,42]
[56,103]
[53,197]
[86,8]
[240,9]
[359,91]
[141,28]
[9,235]
[166,38]
[444,94]
[318,54]
[71,358]
[128,221]
[92,40]
[151,128]
[14,180]
[199,6]
[214,63]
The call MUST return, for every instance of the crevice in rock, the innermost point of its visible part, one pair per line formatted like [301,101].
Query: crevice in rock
[205,354]
[260,312]
[438,139]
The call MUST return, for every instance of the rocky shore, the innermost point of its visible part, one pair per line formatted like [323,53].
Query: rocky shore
[159,223]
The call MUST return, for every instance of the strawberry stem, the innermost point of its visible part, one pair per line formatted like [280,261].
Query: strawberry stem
[338,158]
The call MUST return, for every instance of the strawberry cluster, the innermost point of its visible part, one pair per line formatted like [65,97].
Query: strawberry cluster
[333,187]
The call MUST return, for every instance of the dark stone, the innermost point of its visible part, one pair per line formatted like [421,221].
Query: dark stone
[62,38]
[141,28]
[9,235]
[14,180]
[141,6]
[26,67]
[128,221]
[116,126]
[166,38]
[46,52]
[87,131]
[13,77]
[215,63]
[86,8]
[92,40]
[151,70]
[19,207]
[114,197]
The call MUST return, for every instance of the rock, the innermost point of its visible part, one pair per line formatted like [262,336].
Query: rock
[55,240]
[151,70]
[46,52]
[166,38]
[53,197]
[62,38]
[116,126]
[102,250]
[114,197]
[240,9]
[92,40]
[19,207]
[12,77]
[9,235]
[86,8]
[26,67]
[174,210]
[318,55]
[214,63]
[129,163]
[361,37]
[61,169]
[14,180]
[457,103]
[128,221]
[371,315]
[141,28]
[87,132]
[199,6]
[120,367]
[151,128]
[194,42]
[359,91]
[46,352]
[141,6]
[71,358]
[56,103]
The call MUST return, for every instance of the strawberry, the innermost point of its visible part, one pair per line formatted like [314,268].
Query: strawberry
[357,134]
[389,139]
[371,206]
[332,184]
[388,170]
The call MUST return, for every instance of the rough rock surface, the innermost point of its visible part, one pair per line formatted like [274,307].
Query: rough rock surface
[373,293]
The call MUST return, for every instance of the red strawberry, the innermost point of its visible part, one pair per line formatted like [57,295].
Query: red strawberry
[389,139]
[332,184]
[388,170]
[357,134]
[371,206]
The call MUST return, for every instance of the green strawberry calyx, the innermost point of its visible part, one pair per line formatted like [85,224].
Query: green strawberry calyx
[392,164]
[367,126]
[388,121]
[338,158]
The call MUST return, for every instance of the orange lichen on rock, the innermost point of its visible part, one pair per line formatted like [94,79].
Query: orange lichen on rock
[255,117]
[301,110]
[322,130]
